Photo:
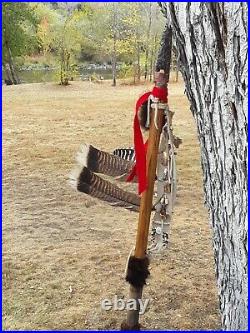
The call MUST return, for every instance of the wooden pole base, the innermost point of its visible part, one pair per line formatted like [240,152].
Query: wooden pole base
[132,322]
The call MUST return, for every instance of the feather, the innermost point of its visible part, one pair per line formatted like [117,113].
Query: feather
[143,115]
[125,153]
[102,162]
[84,180]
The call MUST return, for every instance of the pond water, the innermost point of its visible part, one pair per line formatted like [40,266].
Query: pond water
[44,75]
[33,76]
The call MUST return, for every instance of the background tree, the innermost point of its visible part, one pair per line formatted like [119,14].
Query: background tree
[102,38]
[45,17]
[65,35]
[153,24]
[213,52]
[59,31]
[114,31]
[18,36]
[143,24]
[120,36]
[148,13]
[67,44]
[134,35]
[110,36]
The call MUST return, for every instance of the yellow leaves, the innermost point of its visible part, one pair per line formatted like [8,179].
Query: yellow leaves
[125,47]
[104,30]
[42,11]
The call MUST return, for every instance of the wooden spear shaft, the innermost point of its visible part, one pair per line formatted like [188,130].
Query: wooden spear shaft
[147,196]
[145,211]
[163,63]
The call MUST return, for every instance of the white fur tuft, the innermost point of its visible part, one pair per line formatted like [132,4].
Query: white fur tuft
[82,155]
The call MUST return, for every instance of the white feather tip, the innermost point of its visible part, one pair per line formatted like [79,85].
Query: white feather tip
[82,155]
[73,177]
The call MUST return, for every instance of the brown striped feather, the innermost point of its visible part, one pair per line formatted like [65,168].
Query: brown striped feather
[102,162]
[84,180]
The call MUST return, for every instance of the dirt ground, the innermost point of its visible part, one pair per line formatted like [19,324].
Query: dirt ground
[64,252]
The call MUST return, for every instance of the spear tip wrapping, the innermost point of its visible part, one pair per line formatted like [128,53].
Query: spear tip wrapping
[137,271]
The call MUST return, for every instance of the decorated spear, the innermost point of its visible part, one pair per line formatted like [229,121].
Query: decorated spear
[145,169]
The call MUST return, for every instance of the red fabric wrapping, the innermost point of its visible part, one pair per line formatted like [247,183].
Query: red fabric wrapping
[140,148]
[161,93]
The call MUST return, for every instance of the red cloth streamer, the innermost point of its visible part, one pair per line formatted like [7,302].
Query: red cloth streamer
[140,148]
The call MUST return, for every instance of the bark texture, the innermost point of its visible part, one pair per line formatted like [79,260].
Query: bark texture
[211,40]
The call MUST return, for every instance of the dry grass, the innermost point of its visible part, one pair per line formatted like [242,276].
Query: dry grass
[55,239]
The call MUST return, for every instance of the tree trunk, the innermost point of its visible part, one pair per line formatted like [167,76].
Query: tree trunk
[151,65]
[211,40]
[64,67]
[114,67]
[148,41]
[62,70]
[134,73]
[114,55]
[12,71]
[67,66]
[153,57]
[8,77]
[138,71]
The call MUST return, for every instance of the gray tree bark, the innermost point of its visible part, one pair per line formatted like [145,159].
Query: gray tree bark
[211,40]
